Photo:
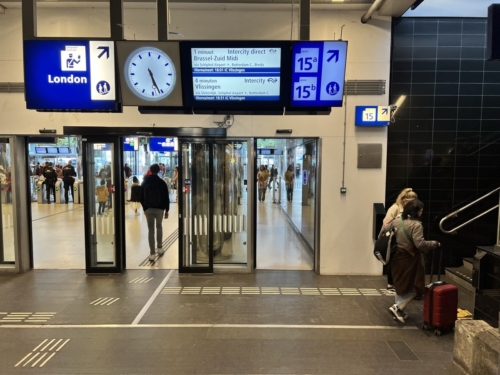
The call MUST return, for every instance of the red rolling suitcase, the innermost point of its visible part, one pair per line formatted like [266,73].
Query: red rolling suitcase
[440,304]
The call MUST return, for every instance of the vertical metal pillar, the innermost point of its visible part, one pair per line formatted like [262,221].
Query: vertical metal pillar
[29,19]
[497,245]
[115,19]
[162,19]
[305,20]
[20,202]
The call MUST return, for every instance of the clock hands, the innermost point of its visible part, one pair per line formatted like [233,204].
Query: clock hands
[155,86]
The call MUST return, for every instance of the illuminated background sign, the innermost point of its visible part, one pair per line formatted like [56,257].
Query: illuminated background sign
[70,75]
[373,115]
[162,144]
[318,73]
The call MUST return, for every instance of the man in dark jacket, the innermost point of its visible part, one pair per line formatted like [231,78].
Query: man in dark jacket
[155,204]
[69,175]
[50,181]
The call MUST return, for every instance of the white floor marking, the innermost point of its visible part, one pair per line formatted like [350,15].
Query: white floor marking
[39,359]
[116,299]
[43,355]
[48,359]
[21,361]
[62,346]
[251,326]
[152,298]
[32,358]
[50,342]
[55,345]
[40,345]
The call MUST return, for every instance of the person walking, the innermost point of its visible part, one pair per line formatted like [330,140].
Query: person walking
[406,195]
[135,194]
[69,175]
[262,178]
[407,263]
[289,182]
[50,181]
[102,197]
[155,204]
[127,171]
[272,177]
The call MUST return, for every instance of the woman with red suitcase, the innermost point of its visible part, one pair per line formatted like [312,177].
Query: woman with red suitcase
[407,263]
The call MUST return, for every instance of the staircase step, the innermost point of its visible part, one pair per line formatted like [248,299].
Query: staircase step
[461,276]
[468,263]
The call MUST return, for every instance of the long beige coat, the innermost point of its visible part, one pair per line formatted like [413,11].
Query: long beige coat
[407,264]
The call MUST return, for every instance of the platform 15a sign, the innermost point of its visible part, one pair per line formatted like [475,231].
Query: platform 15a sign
[70,74]
[318,73]
[373,115]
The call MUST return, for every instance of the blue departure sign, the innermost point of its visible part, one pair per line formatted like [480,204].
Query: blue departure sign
[373,115]
[159,144]
[318,73]
[70,75]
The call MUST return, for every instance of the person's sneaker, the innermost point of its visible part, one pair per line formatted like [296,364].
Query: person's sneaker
[161,251]
[398,314]
[151,257]
[391,290]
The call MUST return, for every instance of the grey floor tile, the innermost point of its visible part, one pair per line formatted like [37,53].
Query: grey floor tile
[402,350]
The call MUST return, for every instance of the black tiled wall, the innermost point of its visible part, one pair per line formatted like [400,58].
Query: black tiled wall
[445,142]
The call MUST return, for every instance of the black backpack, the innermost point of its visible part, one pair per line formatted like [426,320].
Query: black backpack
[152,194]
[385,246]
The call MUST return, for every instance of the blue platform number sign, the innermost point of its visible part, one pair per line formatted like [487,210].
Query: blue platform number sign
[373,115]
[70,75]
[305,177]
[318,73]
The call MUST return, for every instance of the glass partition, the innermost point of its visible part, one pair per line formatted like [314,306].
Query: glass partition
[195,235]
[230,202]
[7,249]
[101,207]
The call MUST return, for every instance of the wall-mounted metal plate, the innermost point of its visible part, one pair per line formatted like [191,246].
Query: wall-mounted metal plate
[369,155]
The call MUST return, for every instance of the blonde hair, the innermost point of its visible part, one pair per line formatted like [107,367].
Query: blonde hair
[406,195]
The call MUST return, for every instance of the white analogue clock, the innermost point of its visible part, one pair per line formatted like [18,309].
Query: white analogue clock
[150,73]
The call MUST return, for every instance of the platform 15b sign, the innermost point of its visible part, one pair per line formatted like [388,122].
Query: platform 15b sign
[70,74]
[318,73]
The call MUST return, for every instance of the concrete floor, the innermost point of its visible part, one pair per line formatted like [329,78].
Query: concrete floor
[159,322]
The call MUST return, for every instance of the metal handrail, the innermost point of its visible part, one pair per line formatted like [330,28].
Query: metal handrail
[455,214]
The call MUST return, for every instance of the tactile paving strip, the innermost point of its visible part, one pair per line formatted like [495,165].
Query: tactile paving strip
[285,291]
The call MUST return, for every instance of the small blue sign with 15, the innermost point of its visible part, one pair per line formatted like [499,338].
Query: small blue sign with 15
[373,115]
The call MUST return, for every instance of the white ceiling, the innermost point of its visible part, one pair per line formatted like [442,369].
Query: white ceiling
[451,8]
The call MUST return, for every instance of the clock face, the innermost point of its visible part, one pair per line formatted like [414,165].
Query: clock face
[150,73]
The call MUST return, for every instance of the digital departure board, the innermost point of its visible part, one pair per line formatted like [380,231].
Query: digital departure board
[160,144]
[236,74]
[318,73]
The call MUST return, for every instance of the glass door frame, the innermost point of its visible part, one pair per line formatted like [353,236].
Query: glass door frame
[119,205]
[209,269]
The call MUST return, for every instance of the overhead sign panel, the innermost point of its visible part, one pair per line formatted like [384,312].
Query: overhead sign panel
[318,73]
[74,75]
[236,73]
[373,115]
[150,73]
[162,144]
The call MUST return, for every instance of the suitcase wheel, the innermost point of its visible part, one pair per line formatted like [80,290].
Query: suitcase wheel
[437,332]
[425,327]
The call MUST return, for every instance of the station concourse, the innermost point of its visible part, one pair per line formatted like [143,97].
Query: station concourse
[283,132]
